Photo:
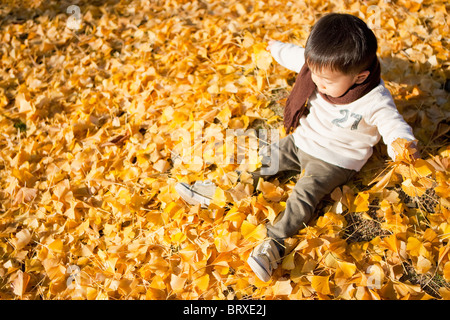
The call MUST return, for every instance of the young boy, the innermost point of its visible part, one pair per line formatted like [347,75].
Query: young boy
[337,111]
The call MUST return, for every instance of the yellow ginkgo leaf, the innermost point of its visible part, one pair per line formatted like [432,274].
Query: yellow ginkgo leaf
[178,238]
[56,245]
[234,214]
[22,238]
[282,288]
[447,271]
[423,265]
[157,283]
[423,167]
[202,282]
[224,116]
[348,269]
[414,246]
[20,283]
[321,284]
[219,198]
[188,252]
[226,241]
[362,202]
[177,282]
[445,293]
[288,261]
[250,231]
[270,191]
[263,58]
[411,189]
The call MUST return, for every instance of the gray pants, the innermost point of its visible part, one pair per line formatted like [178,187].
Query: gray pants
[320,178]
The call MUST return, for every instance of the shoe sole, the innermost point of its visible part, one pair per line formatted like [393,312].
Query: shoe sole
[189,196]
[260,272]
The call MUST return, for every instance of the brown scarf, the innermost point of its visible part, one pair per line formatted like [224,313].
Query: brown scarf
[304,87]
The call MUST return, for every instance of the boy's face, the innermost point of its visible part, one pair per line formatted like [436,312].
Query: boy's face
[335,83]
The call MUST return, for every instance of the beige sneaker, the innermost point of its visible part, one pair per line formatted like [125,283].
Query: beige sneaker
[264,259]
[201,192]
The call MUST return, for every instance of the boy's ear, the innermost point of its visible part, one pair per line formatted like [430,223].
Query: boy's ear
[362,76]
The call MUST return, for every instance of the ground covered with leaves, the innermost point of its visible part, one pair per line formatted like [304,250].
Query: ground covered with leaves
[91,99]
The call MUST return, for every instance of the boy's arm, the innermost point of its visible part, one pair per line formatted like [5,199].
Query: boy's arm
[288,55]
[391,125]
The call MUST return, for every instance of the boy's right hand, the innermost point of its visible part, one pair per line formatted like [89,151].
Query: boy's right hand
[269,44]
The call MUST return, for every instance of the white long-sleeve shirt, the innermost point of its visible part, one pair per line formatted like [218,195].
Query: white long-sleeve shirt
[344,135]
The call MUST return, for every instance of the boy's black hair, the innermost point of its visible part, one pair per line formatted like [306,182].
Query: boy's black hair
[341,42]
